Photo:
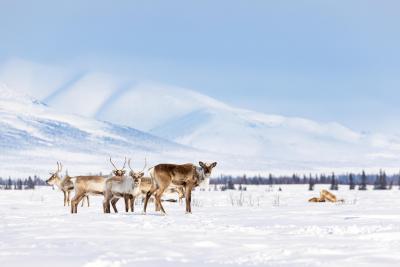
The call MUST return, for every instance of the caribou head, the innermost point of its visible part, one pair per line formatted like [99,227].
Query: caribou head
[207,168]
[116,171]
[55,175]
[137,176]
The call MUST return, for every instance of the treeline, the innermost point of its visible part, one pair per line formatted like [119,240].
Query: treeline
[380,181]
[21,183]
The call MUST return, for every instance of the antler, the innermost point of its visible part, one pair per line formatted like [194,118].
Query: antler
[129,164]
[145,164]
[124,164]
[115,168]
[59,167]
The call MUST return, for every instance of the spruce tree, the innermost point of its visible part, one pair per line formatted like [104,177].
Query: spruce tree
[30,184]
[334,186]
[230,184]
[377,182]
[383,181]
[363,185]
[9,184]
[351,182]
[311,184]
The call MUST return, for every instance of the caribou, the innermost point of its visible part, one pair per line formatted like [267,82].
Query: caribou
[65,185]
[187,176]
[144,185]
[120,186]
[141,185]
[93,185]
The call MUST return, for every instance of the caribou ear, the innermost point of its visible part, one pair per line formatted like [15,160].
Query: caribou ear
[202,164]
[123,172]
[141,174]
[213,164]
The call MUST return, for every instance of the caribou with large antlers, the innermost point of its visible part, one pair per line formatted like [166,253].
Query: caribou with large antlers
[65,185]
[120,186]
[186,175]
[142,185]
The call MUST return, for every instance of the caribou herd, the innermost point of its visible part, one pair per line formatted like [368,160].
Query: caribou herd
[162,178]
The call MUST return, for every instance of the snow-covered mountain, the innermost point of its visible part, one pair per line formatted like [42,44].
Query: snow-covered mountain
[189,118]
[245,140]
[196,120]
[34,136]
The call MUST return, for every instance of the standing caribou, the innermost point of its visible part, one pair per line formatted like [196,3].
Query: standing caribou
[144,185]
[127,187]
[186,175]
[93,185]
[65,185]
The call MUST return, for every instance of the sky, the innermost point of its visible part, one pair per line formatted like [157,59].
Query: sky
[323,60]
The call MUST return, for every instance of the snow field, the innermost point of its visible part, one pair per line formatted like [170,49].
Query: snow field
[261,227]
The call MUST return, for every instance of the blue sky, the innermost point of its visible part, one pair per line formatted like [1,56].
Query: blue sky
[324,60]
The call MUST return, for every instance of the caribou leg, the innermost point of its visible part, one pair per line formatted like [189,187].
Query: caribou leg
[114,204]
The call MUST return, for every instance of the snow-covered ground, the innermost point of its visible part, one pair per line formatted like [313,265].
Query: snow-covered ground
[269,228]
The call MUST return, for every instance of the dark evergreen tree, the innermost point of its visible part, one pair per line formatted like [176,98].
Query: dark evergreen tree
[9,184]
[381,182]
[311,184]
[334,183]
[30,184]
[270,181]
[377,182]
[363,185]
[352,185]
[244,179]
[19,184]
[230,184]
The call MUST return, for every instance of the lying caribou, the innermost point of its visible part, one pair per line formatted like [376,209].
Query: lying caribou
[92,185]
[186,175]
[65,185]
[120,186]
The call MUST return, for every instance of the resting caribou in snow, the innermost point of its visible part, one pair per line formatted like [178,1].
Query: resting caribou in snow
[65,185]
[187,175]
[92,185]
[120,186]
